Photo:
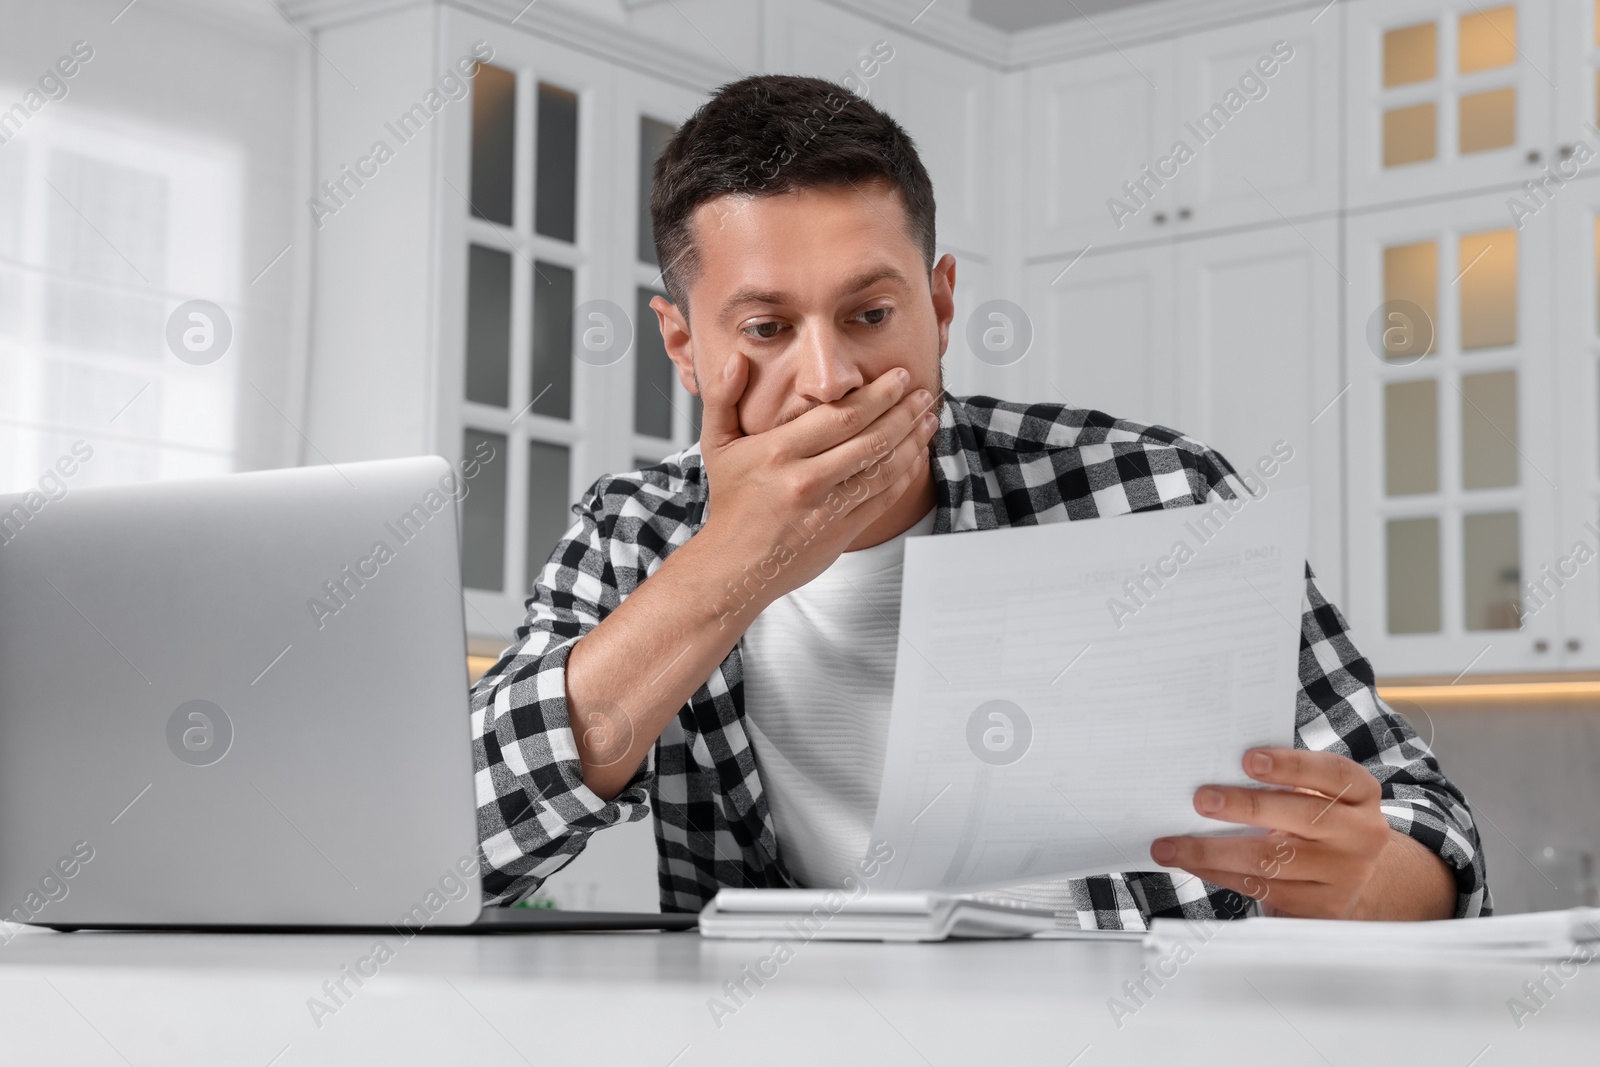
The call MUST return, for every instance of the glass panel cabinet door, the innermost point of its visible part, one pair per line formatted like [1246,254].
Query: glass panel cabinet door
[523,219]
[549,351]
[1444,97]
[1455,482]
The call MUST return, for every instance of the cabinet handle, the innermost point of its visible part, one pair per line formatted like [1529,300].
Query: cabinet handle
[1541,645]
[1533,155]
[1161,218]
[1573,644]
[1183,213]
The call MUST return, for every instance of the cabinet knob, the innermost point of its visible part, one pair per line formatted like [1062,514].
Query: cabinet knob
[1160,218]
[1567,151]
[1534,156]
[1541,645]
[1573,644]
[1184,213]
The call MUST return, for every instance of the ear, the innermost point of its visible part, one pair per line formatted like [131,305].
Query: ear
[675,336]
[943,286]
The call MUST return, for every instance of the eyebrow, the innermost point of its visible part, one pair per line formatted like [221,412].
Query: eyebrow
[854,284]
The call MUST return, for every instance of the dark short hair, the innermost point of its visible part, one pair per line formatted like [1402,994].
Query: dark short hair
[769,134]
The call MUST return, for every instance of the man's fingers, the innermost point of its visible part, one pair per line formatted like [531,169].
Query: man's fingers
[902,475]
[1259,856]
[1309,815]
[904,425]
[827,425]
[719,397]
[888,478]
[1329,773]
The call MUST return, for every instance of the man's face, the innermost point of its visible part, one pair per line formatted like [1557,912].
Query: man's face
[821,289]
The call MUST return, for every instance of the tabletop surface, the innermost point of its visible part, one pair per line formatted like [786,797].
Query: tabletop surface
[660,999]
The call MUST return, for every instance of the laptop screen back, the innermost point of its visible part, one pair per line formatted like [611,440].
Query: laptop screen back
[238,700]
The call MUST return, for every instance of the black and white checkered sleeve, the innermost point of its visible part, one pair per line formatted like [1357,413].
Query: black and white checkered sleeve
[534,812]
[1338,710]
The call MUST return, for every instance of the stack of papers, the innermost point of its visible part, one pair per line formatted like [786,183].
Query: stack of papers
[828,915]
[1545,935]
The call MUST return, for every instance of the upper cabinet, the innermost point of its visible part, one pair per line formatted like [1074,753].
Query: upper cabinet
[1097,131]
[1259,105]
[1447,97]
[1577,77]
[944,101]
[1229,127]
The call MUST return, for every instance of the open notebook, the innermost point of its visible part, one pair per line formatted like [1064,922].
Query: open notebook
[829,915]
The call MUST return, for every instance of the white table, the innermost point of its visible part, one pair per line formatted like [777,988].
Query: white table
[641,999]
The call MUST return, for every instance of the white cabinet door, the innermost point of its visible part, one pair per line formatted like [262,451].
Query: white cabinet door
[1577,78]
[1103,334]
[1258,361]
[970,370]
[1258,103]
[822,41]
[1094,126]
[1452,459]
[1576,581]
[1445,97]
[946,104]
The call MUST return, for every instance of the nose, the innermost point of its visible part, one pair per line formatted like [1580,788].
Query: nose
[824,369]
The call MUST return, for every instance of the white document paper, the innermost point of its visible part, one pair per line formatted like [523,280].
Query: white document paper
[1062,690]
[1551,935]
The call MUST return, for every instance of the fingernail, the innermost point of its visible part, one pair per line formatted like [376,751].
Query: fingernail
[1208,800]
[921,398]
[1259,763]
[929,423]
[727,367]
[1163,851]
[902,375]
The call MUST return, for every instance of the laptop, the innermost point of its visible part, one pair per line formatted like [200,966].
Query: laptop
[241,703]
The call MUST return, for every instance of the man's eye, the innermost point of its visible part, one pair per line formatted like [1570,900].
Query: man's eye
[876,316]
[764,331]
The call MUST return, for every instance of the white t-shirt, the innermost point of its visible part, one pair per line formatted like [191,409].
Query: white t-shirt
[818,678]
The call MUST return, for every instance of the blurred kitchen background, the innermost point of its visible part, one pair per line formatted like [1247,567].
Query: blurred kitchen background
[239,234]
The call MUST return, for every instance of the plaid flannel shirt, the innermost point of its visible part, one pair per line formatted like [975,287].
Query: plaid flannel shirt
[995,463]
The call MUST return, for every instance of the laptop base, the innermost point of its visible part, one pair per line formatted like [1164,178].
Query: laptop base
[490,921]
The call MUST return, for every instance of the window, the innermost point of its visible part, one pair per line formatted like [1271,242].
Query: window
[106,234]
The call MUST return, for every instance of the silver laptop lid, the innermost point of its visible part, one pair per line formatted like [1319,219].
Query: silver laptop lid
[238,700]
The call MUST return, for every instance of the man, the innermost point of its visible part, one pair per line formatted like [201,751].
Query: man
[731,610]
